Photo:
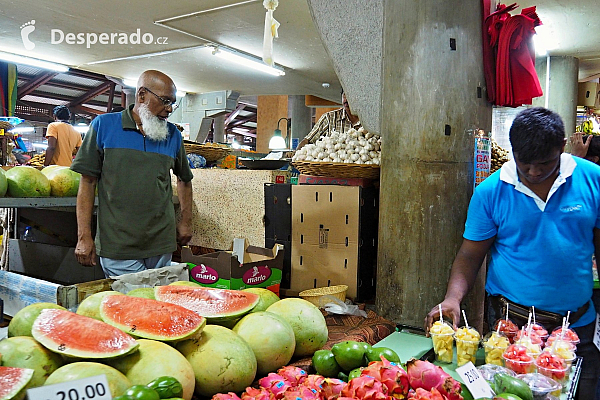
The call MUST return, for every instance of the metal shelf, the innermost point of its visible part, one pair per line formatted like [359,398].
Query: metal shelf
[39,202]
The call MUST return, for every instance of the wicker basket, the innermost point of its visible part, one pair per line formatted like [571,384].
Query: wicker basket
[320,296]
[210,153]
[337,170]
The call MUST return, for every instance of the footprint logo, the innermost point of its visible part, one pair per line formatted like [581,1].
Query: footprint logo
[26,29]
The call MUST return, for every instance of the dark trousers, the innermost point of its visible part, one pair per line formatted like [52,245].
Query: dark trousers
[590,369]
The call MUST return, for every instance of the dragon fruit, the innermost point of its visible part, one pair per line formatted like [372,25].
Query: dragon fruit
[257,394]
[275,384]
[302,393]
[422,394]
[391,375]
[314,382]
[332,388]
[228,396]
[365,387]
[294,375]
[425,375]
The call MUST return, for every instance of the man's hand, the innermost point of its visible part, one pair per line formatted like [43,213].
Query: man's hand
[450,309]
[184,233]
[578,147]
[85,251]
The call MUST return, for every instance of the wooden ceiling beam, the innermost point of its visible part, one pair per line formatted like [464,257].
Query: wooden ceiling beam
[35,83]
[234,113]
[62,85]
[250,118]
[111,96]
[88,110]
[91,94]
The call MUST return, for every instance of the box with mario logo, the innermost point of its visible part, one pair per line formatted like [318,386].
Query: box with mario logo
[242,267]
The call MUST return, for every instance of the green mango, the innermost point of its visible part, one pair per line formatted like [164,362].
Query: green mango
[324,363]
[508,384]
[507,396]
[349,354]
[343,376]
[466,394]
[373,354]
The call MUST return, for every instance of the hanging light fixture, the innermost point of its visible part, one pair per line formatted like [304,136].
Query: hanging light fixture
[277,141]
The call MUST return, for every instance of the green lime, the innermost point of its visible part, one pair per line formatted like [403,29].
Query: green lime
[167,387]
[123,397]
[355,373]
[325,364]
[374,354]
[349,355]
[141,392]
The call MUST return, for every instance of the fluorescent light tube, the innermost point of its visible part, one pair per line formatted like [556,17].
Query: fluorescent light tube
[23,129]
[245,60]
[34,62]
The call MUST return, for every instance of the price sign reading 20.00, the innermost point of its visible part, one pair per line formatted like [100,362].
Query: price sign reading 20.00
[92,388]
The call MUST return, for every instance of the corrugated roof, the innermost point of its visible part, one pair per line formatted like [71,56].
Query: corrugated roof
[43,100]
[57,90]
[28,70]
[77,80]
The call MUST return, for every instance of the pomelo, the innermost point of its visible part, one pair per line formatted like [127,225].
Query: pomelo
[145,292]
[24,181]
[307,321]
[266,298]
[222,361]
[20,324]
[270,337]
[90,306]
[3,183]
[117,382]
[63,181]
[26,352]
[14,382]
[153,360]
[184,283]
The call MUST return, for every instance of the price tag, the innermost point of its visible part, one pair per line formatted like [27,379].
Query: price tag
[92,388]
[597,332]
[474,381]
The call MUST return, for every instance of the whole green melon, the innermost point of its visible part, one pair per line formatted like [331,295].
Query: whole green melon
[26,352]
[20,324]
[63,181]
[271,339]
[3,183]
[307,321]
[267,298]
[24,181]
[90,306]
[153,360]
[117,382]
[222,361]
[145,292]
[184,283]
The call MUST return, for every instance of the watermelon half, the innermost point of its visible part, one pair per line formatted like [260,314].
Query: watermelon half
[150,319]
[216,305]
[78,336]
[13,381]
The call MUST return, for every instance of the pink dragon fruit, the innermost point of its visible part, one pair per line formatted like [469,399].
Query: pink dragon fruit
[294,375]
[228,396]
[302,393]
[332,388]
[314,382]
[422,394]
[425,375]
[257,394]
[365,387]
[275,384]
[391,375]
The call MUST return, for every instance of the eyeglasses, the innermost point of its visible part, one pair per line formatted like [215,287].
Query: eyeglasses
[166,102]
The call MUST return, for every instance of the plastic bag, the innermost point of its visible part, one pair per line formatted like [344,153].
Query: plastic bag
[334,305]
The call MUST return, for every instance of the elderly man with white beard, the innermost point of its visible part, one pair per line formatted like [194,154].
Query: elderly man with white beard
[129,157]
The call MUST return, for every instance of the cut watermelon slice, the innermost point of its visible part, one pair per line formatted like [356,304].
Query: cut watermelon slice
[216,305]
[78,336]
[13,381]
[150,319]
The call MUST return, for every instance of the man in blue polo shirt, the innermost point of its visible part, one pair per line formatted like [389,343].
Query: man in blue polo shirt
[129,156]
[539,217]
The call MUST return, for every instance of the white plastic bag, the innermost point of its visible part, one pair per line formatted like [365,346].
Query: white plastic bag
[334,305]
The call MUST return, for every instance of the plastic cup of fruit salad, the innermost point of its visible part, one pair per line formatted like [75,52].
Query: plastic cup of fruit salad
[541,386]
[552,366]
[517,358]
[508,328]
[467,342]
[569,335]
[494,345]
[538,330]
[442,335]
[533,349]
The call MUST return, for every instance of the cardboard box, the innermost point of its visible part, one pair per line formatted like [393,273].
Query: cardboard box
[287,260]
[586,93]
[243,267]
[278,212]
[326,180]
[334,238]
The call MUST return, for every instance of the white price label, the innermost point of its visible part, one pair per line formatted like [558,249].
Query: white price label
[597,332]
[92,388]
[474,381]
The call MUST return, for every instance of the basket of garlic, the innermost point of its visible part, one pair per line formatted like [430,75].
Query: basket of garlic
[353,154]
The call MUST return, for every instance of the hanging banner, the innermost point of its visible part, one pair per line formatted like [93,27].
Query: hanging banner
[482,157]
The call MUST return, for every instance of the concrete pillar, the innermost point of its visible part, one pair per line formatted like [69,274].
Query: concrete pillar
[559,87]
[269,110]
[219,126]
[129,96]
[301,118]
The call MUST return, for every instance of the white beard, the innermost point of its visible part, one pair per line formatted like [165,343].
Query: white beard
[154,128]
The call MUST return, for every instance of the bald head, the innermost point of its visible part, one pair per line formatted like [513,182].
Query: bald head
[156,80]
